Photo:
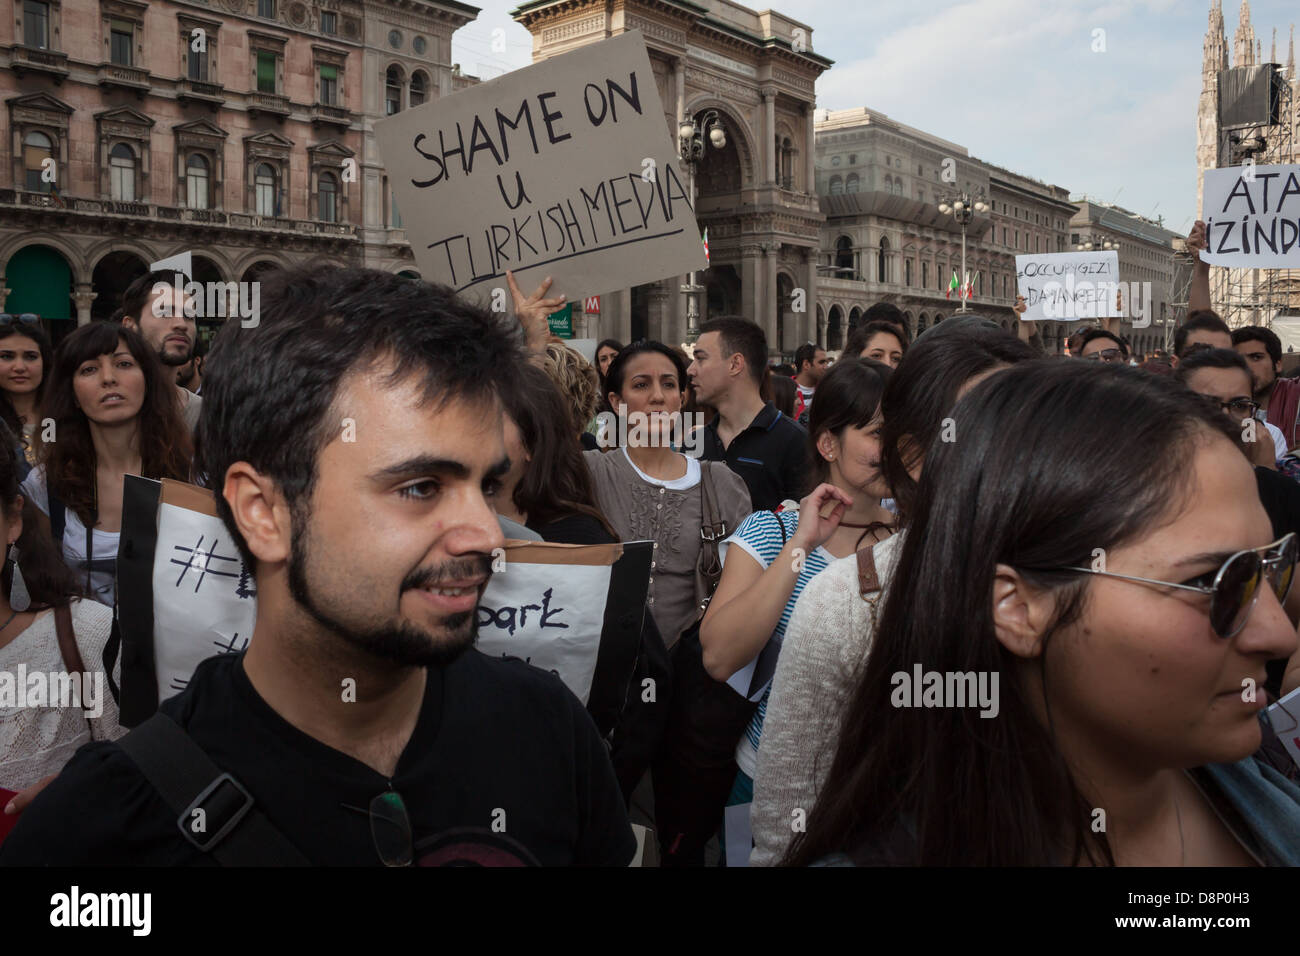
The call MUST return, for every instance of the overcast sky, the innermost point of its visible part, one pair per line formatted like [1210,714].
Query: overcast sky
[1014,81]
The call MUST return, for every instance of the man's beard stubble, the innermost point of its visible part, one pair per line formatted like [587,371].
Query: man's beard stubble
[402,643]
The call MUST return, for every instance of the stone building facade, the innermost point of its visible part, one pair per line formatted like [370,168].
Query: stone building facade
[1146,254]
[757,196]
[1247,296]
[879,183]
[238,130]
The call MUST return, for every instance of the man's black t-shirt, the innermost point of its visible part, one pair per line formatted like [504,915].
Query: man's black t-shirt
[504,768]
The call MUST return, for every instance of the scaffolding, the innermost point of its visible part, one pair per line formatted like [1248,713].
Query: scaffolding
[1251,296]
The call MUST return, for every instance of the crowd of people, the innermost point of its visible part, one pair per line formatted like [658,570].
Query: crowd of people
[949,601]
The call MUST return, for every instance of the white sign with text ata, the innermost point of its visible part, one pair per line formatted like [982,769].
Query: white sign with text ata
[1068,286]
[1252,217]
[565,168]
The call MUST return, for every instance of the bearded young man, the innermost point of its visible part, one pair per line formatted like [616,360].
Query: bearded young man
[354,441]
[150,306]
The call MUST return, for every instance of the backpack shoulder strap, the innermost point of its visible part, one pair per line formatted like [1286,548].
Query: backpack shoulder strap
[868,578]
[214,812]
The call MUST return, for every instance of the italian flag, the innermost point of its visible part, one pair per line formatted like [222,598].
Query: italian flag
[952,286]
[706,243]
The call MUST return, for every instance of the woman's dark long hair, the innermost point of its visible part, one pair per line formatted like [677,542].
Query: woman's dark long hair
[70,466]
[945,786]
[557,483]
[37,336]
[783,391]
[50,582]
[923,390]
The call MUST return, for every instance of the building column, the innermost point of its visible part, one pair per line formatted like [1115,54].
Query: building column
[767,304]
[4,294]
[679,73]
[751,278]
[769,135]
[622,318]
[815,333]
[83,297]
[810,167]
[660,325]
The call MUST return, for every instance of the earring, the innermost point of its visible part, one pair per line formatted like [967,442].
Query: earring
[19,599]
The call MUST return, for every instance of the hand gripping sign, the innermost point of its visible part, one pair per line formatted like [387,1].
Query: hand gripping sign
[543,172]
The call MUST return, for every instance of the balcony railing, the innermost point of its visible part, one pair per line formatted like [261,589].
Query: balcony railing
[51,62]
[212,217]
[126,77]
[200,91]
[274,103]
[330,114]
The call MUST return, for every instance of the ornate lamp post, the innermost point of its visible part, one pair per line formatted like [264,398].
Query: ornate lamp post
[1097,243]
[691,135]
[963,208]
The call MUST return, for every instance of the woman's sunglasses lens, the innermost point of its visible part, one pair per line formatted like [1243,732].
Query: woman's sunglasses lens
[1282,574]
[1235,594]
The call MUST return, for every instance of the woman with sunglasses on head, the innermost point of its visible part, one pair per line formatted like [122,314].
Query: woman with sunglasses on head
[833,622]
[115,414]
[1127,640]
[24,358]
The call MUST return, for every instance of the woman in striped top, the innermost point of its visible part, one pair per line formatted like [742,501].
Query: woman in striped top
[776,555]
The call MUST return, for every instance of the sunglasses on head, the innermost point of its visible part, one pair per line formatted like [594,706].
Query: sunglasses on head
[1234,587]
[27,318]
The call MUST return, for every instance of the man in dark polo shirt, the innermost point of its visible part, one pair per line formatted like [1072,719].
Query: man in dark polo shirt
[767,449]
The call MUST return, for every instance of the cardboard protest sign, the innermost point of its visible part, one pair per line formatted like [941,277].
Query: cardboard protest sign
[184,593]
[575,610]
[565,168]
[1068,286]
[1252,216]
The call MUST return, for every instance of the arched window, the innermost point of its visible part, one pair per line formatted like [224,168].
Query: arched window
[851,184]
[882,260]
[327,191]
[393,91]
[889,184]
[844,253]
[419,88]
[907,272]
[264,189]
[837,186]
[121,181]
[196,182]
[925,275]
[37,148]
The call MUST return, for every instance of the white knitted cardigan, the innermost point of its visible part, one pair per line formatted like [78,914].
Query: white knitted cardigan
[825,644]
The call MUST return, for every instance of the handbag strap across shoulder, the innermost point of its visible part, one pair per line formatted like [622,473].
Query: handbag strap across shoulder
[868,577]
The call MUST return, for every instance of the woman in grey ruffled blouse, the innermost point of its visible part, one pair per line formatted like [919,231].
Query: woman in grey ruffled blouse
[650,491]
